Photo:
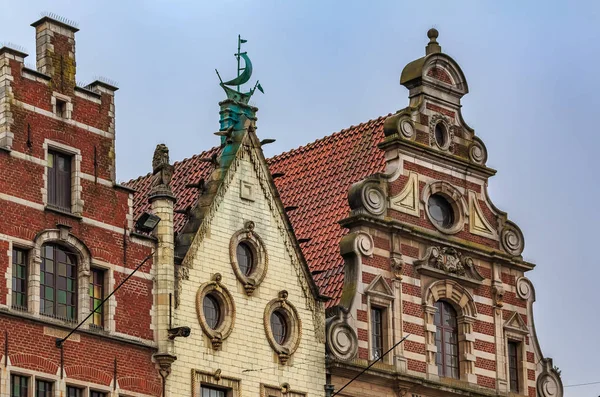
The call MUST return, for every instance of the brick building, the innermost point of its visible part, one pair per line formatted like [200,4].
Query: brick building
[66,234]
[267,277]
[394,220]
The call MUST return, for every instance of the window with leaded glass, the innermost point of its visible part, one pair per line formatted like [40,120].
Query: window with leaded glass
[446,340]
[19,278]
[19,386]
[377,332]
[58,283]
[43,388]
[94,393]
[207,391]
[59,180]
[96,296]
[513,366]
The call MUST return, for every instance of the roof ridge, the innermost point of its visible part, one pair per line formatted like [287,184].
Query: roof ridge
[319,140]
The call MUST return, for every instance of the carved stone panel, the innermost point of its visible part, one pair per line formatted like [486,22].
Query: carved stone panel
[447,262]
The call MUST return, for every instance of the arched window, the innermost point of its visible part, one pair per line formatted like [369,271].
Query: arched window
[58,283]
[446,340]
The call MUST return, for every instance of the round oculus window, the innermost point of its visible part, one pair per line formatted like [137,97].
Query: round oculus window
[245,258]
[279,327]
[440,134]
[212,311]
[440,211]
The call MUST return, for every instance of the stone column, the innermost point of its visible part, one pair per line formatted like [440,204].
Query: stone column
[162,203]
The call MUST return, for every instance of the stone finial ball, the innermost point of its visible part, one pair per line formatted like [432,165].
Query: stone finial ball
[433,34]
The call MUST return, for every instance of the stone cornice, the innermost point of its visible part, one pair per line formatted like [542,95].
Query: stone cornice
[381,374]
[430,237]
[68,327]
[394,141]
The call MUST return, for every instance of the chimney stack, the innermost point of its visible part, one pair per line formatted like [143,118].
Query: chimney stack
[55,51]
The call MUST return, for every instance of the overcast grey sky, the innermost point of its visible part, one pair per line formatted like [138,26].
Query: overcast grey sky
[325,65]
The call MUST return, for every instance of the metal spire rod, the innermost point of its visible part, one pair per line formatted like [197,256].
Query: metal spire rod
[370,365]
[60,341]
[238,57]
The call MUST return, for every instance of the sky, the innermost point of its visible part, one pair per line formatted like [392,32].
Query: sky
[325,65]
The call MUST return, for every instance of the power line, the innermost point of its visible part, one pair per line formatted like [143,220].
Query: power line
[60,341]
[370,365]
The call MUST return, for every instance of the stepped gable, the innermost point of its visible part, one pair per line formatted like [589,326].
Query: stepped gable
[317,178]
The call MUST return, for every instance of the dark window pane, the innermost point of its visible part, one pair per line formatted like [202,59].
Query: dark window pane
[59,180]
[97,394]
[58,292]
[211,392]
[212,311]
[446,340]
[377,332]
[19,386]
[245,258]
[440,134]
[279,327]
[74,391]
[43,388]
[96,296]
[19,278]
[513,366]
[440,210]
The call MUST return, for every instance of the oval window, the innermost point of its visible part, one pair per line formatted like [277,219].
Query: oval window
[212,311]
[440,134]
[440,211]
[245,258]
[279,327]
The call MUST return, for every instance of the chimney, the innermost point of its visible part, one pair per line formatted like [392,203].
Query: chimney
[55,51]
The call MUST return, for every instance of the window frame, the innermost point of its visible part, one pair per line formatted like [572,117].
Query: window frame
[517,361]
[208,379]
[27,379]
[81,391]
[92,284]
[76,202]
[25,255]
[377,328]
[52,384]
[380,295]
[55,286]
[57,193]
[444,368]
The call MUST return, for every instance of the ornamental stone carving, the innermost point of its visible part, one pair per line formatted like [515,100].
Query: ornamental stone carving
[342,341]
[449,132]
[225,301]
[255,243]
[162,172]
[444,262]
[512,239]
[549,383]
[293,324]
[477,152]
[524,289]
[406,128]
[396,265]
[368,197]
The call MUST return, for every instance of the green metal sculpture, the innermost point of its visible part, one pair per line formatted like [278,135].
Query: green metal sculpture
[243,76]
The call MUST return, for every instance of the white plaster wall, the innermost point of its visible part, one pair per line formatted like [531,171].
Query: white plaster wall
[247,347]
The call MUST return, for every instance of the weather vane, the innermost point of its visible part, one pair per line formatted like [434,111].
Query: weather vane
[243,76]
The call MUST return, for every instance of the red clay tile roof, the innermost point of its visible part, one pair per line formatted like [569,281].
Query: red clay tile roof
[317,179]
